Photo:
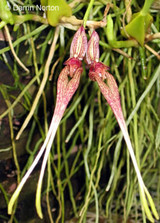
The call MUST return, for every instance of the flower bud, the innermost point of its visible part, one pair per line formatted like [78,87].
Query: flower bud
[92,54]
[79,44]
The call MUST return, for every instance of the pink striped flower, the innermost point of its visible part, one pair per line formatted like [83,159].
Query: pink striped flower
[99,72]
[67,84]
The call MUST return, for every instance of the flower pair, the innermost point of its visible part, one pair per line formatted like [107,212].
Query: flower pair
[67,84]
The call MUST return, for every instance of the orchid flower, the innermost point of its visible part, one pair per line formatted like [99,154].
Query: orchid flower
[67,84]
[99,72]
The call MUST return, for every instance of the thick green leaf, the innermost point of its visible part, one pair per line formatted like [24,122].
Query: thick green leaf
[112,39]
[138,27]
[56,10]
[5,13]
[44,2]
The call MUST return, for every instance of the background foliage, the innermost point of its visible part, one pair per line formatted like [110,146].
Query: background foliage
[89,177]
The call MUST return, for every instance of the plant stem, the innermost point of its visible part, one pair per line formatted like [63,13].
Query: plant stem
[23,38]
[2,24]
[19,19]
[24,179]
[13,51]
[132,87]
[43,83]
[146,7]
[87,13]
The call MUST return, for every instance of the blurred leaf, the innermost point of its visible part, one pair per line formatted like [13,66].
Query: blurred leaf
[157,141]
[5,13]
[56,10]
[138,27]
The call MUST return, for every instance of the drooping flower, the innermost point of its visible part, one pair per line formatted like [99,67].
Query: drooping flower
[99,72]
[68,82]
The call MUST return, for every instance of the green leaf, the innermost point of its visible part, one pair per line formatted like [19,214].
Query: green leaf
[138,27]
[112,39]
[5,13]
[157,140]
[57,9]
[44,2]
[109,30]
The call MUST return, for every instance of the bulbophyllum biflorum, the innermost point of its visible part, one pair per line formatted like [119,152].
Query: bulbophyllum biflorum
[68,82]
[99,72]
